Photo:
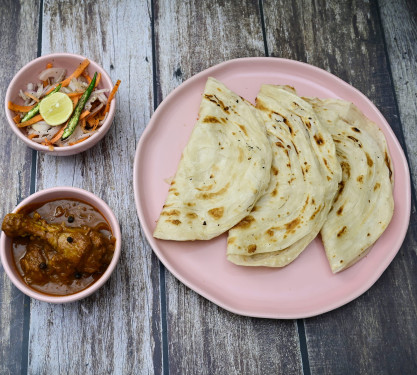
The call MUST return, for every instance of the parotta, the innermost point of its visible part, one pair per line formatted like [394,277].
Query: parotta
[224,169]
[304,179]
[364,204]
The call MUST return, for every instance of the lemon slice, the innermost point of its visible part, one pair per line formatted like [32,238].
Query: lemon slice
[56,108]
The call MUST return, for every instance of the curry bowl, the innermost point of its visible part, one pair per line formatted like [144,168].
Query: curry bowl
[32,74]
[66,250]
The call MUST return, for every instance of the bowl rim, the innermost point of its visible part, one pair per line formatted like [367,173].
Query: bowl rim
[88,198]
[65,150]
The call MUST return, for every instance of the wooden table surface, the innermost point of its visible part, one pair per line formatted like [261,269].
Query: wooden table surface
[144,321]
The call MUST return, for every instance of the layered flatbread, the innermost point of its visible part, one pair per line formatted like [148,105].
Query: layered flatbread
[304,179]
[224,169]
[364,204]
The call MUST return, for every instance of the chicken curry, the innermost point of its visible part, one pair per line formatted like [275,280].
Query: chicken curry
[60,247]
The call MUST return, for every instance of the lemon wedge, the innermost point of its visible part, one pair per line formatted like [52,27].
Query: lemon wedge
[56,108]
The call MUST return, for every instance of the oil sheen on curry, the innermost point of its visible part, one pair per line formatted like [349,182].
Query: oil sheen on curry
[60,247]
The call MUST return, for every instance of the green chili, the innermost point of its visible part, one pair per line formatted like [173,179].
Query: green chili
[35,110]
[73,122]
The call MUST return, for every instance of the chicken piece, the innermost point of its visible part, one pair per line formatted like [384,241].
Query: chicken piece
[72,249]
[33,263]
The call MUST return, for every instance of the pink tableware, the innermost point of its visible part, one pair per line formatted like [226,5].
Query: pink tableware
[302,289]
[29,74]
[50,195]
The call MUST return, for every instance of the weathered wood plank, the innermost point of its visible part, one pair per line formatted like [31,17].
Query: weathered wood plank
[117,330]
[18,47]
[203,338]
[399,19]
[194,36]
[374,334]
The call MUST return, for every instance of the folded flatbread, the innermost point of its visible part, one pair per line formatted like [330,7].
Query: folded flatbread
[364,204]
[223,171]
[304,179]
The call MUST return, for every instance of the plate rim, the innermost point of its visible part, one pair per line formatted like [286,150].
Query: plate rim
[244,312]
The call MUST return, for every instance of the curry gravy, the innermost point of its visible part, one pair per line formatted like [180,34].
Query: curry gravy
[70,213]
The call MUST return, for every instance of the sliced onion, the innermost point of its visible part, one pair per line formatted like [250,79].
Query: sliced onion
[41,127]
[96,95]
[96,110]
[56,73]
[75,85]
[77,135]
[100,91]
[40,90]
[23,96]
[42,130]
[102,98]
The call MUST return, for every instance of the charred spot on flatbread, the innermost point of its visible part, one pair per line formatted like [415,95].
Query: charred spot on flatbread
[223,169]
[362,205]
[304,179]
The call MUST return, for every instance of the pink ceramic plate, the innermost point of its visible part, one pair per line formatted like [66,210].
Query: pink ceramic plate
[304,288]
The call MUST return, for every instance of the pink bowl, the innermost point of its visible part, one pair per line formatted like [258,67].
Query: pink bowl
[29,74]
[45,196]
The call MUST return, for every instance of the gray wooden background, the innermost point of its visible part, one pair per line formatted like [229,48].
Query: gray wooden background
[144,321]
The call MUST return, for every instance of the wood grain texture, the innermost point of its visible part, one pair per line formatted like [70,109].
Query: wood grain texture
[399,19]
[118,329]
[18,48]
[193,36]
[342,37]
[346,38]
[203,338]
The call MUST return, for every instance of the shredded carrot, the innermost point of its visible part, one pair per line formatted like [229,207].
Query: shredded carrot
[75,93]
[86,76]
[97,80]
[77,72]
[93,122]
[84,114]
[19,108]
[79,141]
[51,89]
[111,96]
[32,96]
[32,121]
[48,66]
[75,100]
[16,119]
[46,142]
[58,135]
[33,135]
[96,125]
